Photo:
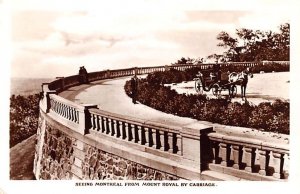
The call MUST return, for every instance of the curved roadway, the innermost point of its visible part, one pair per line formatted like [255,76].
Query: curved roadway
[110,96]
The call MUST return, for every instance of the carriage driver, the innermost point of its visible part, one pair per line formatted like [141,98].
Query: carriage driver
[216,74]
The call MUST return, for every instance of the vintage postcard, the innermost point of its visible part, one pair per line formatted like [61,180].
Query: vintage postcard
[148,95]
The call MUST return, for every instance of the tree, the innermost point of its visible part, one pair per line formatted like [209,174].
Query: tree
[188,61]
[256,45]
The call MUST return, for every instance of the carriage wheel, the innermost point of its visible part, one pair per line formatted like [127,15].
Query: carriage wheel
[233,90]
[199,86]
[216,90]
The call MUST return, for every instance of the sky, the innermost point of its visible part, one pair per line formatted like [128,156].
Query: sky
[54,38]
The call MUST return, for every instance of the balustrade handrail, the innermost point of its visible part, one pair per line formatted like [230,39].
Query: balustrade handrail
[65,101]
[134,120]
[168,136]
[255,143]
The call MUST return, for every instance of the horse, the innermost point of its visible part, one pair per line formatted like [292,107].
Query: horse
[241,79]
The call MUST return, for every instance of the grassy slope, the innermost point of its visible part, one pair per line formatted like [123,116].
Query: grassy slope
[21,160]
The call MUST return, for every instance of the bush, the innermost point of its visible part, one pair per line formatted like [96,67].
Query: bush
[266,116]
[24,113]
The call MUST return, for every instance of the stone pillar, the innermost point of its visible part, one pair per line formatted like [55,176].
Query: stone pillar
[223,147]
[147,134]
[193,135]
[108,125]
[128,131]
[98,123]
[236,152]
[139,133]
[104,125]
[263,161]
[162,140]
[45,100]
[115,128]
[134,133]
[72,114]
[125,134]
[170,142]
[277,164]
[93,122]
[248,155]
[121,133]
[84,118]
[153,134]
[215,149]
[286,166]
[179,145]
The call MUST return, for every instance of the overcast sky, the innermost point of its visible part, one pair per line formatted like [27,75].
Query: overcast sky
[51,38]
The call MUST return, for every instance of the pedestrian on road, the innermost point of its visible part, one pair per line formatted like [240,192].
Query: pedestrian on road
[134,88]
[83,75]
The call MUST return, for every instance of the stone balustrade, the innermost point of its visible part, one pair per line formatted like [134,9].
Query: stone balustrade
[254,156]
[145,133]
[70,113]
[192,145]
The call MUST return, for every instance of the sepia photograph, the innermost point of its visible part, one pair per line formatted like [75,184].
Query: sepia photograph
[149,95]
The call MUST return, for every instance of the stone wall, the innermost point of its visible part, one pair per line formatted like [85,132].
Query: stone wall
[100,165]
[64,157]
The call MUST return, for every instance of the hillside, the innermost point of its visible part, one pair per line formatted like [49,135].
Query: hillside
[21,160]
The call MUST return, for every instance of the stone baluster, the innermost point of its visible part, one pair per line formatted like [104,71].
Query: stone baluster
[58,108]
[215,150]
[104,125]
[237,156]
[154,140]
[249,158]
[74,115]
[170,142]
[64,111]
[113,127]
[61,109]
[108,125]
[77,116]
[139,134]
[179,144]
[71,114]
[126,130]
[277,165]
[93,121]
[134,133]
[162,140]
[130,132]
[286,166]
[263,161]
[224,153]
[68,113]
[147,136]
[98,123]
[116,128]
[121,129]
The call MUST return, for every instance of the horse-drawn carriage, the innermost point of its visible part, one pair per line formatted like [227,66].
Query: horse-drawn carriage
[222,81]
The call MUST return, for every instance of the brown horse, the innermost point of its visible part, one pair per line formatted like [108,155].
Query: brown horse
[241,79]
